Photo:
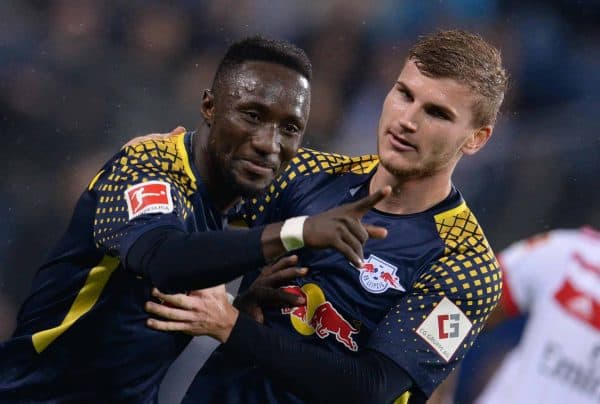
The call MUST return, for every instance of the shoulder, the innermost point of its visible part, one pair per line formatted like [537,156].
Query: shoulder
[309,161]
[467,266]
[161,160]
[550,246]
[460,231]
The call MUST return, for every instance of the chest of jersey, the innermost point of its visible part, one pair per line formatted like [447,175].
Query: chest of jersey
[345,303]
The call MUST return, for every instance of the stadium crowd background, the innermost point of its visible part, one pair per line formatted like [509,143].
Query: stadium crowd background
[78,78]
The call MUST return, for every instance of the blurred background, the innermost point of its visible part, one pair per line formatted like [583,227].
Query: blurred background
[78,78]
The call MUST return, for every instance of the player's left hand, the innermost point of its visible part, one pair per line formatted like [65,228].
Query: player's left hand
[201,312]
[266,290]
[154,136]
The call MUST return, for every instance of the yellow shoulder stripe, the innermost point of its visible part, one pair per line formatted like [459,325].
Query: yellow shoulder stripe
[85,300]
[185,157]
[449,213]
[94,180]
[403,399]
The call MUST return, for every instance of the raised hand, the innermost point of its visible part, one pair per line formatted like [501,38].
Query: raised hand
[154,136]
[265,290]
[341,227]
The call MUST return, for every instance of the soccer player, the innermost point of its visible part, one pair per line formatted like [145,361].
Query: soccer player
[154,216]
[394,327]
[554,278]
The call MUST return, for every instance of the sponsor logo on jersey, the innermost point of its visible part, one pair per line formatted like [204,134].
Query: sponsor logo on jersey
[445,328]
[578,293]
[149,197]
[318,316]
[572,368]
[377,275]
[579,303]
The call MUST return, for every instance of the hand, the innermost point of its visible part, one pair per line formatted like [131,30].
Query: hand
[265,290]
[154,136]
[340,228]
[202,312]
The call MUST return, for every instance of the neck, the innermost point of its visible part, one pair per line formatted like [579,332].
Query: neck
[410,195]
[221,196]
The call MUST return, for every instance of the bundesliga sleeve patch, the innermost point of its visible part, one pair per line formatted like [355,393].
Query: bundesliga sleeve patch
[445,328]
[149,197]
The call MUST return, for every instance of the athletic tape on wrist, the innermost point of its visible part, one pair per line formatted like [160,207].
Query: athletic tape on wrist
[291,233]
[230,298]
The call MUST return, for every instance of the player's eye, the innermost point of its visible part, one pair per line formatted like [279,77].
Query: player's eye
[252,116]
[291,129]
[438,113]
[405,93]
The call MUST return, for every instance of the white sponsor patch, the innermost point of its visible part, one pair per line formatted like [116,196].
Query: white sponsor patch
[445,328]
[149,197]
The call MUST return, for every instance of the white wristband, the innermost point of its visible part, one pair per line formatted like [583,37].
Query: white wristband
[291,233]
[230,298]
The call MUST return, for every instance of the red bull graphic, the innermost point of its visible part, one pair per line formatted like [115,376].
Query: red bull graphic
[319,316]
[377,275]
[297,311]
[327,320]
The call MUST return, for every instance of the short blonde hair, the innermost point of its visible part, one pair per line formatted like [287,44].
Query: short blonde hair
[468,59]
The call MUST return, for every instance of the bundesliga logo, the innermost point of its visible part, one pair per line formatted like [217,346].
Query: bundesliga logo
[377,276]
[149,197]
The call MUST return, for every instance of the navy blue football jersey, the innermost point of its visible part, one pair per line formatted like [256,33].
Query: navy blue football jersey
[81,334]
[420,298]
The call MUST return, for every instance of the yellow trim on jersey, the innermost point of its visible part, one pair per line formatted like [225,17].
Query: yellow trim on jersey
[94,180]
[370,166]
[403,399]
[449,213]
[85,300]
[185,157]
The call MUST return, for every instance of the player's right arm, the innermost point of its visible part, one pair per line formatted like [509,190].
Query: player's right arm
[157,244]
[178,261]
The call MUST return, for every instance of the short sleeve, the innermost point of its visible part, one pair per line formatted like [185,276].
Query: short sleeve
[431,328]
[518,263]
[136,193]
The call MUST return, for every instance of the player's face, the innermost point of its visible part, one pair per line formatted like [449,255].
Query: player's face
[426,125]
[258,123]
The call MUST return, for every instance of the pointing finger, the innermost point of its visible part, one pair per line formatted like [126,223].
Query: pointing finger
[376,231]
[365,204]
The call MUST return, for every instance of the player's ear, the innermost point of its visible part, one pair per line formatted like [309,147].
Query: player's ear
[208,107]
[477,140]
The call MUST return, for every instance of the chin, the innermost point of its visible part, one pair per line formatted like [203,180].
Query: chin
[248,189]
[404,170]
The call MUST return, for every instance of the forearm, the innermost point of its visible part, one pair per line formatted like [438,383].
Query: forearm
[315,372]
[176,261]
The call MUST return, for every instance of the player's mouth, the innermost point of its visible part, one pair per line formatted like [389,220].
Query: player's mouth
[258,167]
[400,143]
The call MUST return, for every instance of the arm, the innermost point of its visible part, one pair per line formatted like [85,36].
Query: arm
[177,261]
[368,377]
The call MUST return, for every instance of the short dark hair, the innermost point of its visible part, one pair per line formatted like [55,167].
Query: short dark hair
[258,48]
[468,59]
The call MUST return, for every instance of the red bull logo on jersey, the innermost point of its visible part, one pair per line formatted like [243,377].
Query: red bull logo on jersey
[318,316]
[377,275]
[149,197]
